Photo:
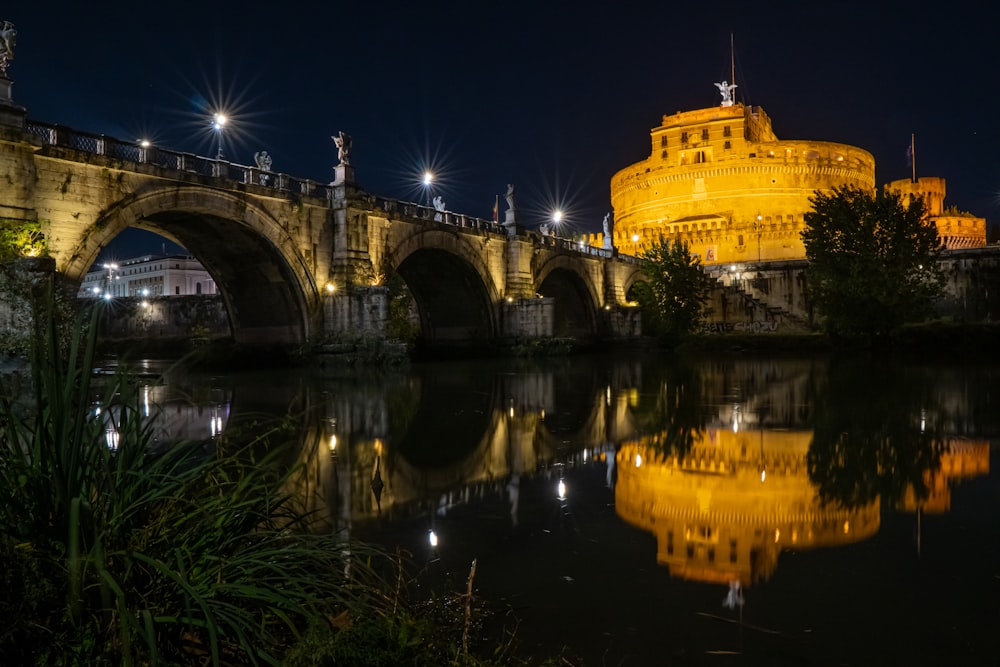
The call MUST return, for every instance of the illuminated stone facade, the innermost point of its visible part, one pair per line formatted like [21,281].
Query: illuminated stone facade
[720,180]
[956,229]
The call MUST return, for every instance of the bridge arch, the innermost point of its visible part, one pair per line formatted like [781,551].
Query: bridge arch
[269,292]
[455,292]
[577,298]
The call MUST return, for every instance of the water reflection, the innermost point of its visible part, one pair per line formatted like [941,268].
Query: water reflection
[727,462]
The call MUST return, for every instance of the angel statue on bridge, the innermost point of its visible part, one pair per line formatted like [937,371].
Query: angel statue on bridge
[343,142]
[8,38]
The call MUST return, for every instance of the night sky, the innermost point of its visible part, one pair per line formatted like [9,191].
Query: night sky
[554,97]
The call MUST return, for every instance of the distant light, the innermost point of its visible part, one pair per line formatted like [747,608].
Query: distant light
[638,461]
[333,442]
[763,476]
[331,288]
[557,216]
[432,538]
[145,291]
[219,121]
[561,490]
[145,304]
[635,238]
[107,296]
[145,143]
[428,178]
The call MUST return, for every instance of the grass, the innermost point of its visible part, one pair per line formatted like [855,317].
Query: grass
[118,554]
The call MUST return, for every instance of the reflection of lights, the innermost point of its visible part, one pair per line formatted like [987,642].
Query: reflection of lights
[111,438]
[215,423]
[777,535]
[432,538]
[145,400]
[378,446]
[607,395]
[543,413]
[923,420]
[333,442]
[638,460]
[586,454]
[847,527]
[561,490]
[763,475]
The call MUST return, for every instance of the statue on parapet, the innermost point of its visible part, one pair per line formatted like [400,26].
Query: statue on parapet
[608,231]
[726,90]
[8,39]
[511,213]
[343,142]
[439,206]
[263,161]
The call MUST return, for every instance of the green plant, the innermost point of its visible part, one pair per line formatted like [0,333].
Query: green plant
[125,555]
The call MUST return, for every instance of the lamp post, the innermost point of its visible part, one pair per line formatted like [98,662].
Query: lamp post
[218,122]
[428,180]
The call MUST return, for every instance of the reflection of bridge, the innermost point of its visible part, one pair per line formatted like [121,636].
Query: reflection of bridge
[296,259]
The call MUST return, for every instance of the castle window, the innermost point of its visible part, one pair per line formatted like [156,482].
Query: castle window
[726,131]
[777,219]
[727,145]
[684,137]
[704,134]
[699,157]
[663,141]
[739,241]
[663,154]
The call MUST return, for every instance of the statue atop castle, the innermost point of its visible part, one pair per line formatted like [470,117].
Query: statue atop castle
[8,38]
[726,90]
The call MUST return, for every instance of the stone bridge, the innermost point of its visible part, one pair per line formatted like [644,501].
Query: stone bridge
[301,261]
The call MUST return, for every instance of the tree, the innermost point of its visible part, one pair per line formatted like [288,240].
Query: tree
[674,298]
[873,263]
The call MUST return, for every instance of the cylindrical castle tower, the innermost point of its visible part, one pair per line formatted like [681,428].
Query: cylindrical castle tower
[719,180]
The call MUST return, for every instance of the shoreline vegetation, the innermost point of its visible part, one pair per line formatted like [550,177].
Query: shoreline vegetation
[117,552]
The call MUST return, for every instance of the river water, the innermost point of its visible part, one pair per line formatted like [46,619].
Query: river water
[648,510]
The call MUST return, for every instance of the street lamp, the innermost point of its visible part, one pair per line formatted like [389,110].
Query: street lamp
[218,122]
[428,180]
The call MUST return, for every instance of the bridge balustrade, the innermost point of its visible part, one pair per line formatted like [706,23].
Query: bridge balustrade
[98,144]
[95,144]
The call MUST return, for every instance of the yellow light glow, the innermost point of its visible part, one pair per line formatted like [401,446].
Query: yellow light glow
[638,461]
[333,442]
[331,288]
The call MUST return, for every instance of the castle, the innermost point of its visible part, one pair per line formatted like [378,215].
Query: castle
[720,180]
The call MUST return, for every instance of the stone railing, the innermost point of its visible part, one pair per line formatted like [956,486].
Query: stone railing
[98,144]
[431,214]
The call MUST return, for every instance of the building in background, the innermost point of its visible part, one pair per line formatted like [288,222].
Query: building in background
[720,180]
[149,275]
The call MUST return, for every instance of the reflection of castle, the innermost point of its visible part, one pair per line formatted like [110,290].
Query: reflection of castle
[962,459]
[724,511]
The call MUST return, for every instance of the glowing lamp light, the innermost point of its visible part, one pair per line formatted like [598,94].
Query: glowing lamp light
[557,216]
[635,238]
[145,143]
[432,538]
[638,461]
[561,490]
[331,288]
[763,476]
[333,442]
[428,178]
[219,121]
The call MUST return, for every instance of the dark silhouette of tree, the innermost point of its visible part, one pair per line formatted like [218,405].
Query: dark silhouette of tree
[872,261]
[874,433]
[673,301]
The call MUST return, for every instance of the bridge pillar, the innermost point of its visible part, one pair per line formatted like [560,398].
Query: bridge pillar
[356,312]
[622,321]
[529,318]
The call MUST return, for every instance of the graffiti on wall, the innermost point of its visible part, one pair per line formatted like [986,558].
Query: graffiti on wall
[739,327]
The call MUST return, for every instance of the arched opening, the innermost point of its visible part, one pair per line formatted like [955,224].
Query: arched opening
[449,297]
[574,311]
[267,290]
